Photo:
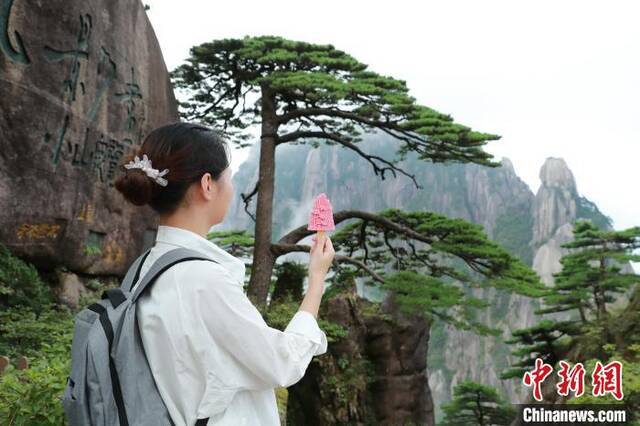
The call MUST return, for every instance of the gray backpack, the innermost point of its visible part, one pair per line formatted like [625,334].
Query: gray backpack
[110,382]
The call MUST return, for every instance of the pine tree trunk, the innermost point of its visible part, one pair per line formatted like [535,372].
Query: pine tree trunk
[263,258]
[600,300]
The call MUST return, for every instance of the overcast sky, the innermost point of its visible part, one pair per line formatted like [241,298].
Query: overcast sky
[554,79]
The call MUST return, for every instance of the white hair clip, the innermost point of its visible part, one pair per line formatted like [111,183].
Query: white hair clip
[145,165]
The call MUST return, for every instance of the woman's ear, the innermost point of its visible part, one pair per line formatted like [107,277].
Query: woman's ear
[209,186]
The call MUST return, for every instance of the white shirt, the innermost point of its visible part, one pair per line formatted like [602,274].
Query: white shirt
[210,350]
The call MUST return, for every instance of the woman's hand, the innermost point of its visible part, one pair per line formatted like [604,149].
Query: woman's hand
[320,256]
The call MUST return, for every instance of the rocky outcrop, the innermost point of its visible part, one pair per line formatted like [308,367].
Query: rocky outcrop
[334,387]
[375,374]
[546,261]
[398,351]
[70,289]
[556,200]
[81,84]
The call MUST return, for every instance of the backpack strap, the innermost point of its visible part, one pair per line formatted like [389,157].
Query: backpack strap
[115,380]
[166,261]
[134,272]
[116,295]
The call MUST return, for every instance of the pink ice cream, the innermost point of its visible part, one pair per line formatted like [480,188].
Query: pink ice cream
[321,218]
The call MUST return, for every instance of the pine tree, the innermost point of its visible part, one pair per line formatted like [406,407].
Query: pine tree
[548,340]
[476,404]
[301,92]
[591,276]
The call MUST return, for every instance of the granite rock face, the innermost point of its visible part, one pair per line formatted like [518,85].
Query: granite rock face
[555,202]
[333,389]
[398,350]
[547,258]
[376,374]
[81,84]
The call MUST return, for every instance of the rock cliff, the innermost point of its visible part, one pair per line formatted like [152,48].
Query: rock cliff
[81,83]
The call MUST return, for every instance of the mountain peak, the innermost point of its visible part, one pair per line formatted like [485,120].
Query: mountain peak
[556,173]
[507,164]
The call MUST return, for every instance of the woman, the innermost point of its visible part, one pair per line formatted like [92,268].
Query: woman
[211,353]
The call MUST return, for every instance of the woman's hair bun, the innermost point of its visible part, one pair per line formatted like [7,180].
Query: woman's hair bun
[135,186]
